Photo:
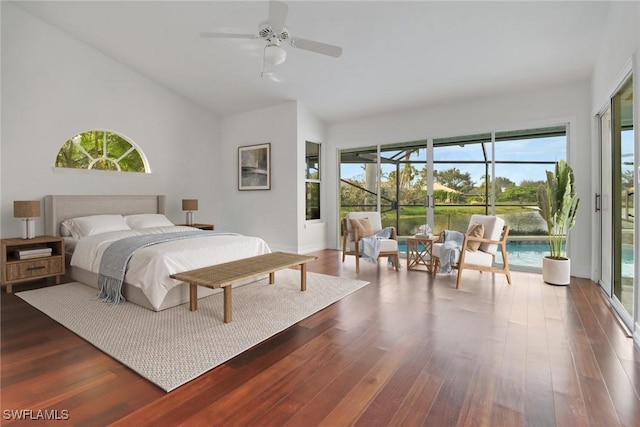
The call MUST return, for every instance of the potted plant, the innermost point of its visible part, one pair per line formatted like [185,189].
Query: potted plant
[558,204]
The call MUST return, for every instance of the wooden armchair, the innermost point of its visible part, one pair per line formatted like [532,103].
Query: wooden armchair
[495,235]
[351,238]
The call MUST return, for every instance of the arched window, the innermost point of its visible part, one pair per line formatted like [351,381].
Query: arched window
[101,150]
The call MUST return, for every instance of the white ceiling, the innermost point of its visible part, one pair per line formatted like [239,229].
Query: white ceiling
[397,55]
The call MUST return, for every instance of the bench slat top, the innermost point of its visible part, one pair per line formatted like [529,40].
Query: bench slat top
[219,275]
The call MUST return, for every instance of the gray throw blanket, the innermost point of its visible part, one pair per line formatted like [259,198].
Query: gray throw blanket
[370,246]
[450,249]
[115,259]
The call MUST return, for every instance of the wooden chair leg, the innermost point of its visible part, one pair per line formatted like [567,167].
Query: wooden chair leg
[357,263]
[508,274]
[397,261]
[344,254]
[458,278]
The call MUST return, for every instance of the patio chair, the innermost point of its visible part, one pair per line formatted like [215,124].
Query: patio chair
[351,243]
[479,252]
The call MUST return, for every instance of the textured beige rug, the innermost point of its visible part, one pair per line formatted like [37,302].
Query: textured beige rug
[174,346]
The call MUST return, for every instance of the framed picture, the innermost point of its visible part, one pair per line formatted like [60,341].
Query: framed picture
[254,167]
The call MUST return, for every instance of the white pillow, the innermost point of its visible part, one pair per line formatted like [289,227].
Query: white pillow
[95,224]
[147,221]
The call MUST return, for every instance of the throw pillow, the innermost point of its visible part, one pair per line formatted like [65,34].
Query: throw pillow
[362,226]
[475,230]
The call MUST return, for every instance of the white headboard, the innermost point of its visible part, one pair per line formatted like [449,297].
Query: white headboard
[59,208]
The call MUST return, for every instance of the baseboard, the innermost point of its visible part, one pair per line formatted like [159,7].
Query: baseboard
[280,248]
[309,249]
[581,271]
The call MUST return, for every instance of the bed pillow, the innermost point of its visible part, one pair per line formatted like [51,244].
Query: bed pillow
[147,221]
[95,224]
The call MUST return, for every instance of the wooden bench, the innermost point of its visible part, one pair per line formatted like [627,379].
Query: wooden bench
[224,275]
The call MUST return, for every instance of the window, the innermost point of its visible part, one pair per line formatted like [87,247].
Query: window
[472,174]
[312,180]
[101,150]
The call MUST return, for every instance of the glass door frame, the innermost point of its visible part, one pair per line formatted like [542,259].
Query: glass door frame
[617,166]
[602,205]
[612,202]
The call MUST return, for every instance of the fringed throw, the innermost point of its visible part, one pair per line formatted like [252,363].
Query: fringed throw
[370,246]
[450,249]
[115,259]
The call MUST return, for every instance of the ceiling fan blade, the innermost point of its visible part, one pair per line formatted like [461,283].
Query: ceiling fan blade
[277,14]
[323,48]
[228,36]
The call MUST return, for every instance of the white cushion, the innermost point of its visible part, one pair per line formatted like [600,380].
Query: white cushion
[478,258]
[386,245]
[435,249]
[147,221]
[475,258]
[95,224]
[493,226]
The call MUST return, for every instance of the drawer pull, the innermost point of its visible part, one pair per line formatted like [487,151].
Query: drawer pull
[35,268]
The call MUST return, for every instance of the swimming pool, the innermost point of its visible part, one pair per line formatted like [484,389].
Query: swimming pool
[529,254]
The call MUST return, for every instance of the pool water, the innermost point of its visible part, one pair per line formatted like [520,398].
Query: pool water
[530,254]
[525,255]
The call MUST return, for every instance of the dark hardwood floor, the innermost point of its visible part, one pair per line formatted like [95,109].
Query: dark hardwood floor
[405,350]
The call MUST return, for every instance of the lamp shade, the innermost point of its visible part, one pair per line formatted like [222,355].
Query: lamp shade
[26,208]
[189,204]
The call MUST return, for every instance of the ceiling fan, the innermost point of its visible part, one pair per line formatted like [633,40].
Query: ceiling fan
[275,32]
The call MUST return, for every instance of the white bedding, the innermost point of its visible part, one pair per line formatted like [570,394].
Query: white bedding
[149,268]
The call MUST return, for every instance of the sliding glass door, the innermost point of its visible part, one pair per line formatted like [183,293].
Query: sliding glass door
[616,202]
[462,170]
[623,196]
[403,180]
[391,179]
[442,182]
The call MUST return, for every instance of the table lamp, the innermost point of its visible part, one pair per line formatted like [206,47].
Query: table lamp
[27,209]
[189,205]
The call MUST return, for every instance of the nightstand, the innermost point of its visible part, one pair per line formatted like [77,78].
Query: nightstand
[200,226]
[16,270]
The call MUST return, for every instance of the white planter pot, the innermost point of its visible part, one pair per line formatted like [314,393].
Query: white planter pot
[556,271]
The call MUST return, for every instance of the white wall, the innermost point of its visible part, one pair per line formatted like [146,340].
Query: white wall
[269,214]
[276,215]
[54,87]
[519,110]
[618,53]
[312,235]
[619,43]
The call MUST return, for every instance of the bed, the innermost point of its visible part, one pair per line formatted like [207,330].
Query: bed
[147,282]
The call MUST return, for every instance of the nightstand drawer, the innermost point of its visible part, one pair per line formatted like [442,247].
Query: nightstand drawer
[34,268]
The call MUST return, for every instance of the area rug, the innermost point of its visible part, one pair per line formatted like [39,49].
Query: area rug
[176,345]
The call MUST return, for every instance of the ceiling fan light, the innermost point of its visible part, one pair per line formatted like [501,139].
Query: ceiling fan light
[274,55]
